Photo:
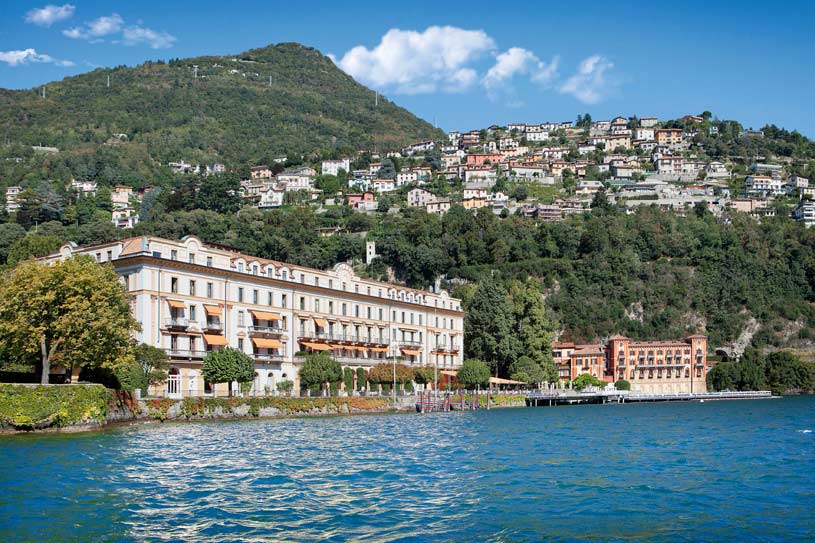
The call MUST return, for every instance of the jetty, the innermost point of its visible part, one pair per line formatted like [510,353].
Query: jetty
[572,397]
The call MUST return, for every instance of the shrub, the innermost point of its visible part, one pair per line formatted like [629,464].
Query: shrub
[362,378]
[586,380]
[348,379]
[285,386]
[622,384]
[35,407]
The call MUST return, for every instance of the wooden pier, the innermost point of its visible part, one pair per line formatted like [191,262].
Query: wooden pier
[572,397]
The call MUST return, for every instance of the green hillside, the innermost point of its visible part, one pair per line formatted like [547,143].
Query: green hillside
[230,113]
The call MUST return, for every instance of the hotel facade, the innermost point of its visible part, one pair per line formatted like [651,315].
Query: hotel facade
[192,297]
[652,367]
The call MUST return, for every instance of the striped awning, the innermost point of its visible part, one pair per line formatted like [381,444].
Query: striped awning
[264,315]
[215,340]
[320,322]
[411,352]
[175,304]
[264,343]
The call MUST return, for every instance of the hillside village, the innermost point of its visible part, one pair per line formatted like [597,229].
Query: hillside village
[546,171]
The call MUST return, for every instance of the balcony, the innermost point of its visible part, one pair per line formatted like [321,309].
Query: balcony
[177,323]
[342,338]
[213,326]
[266,331]
[185,353]
[266,358]
[442,347]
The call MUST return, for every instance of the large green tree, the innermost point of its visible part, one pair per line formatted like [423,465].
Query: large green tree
[153,362]
[473,373]
[319,369]
[534,329]
[227,366]
[488,327]
[74,313]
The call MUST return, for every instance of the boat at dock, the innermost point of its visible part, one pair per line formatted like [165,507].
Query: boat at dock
[570,397]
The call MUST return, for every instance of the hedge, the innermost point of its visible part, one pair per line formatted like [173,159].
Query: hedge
[26,407]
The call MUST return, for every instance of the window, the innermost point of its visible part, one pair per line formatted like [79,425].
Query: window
[192,312]
[240,267]
[302,302]
[240,344]
[270,300]
[403,317]
[380,313]
[174,285]
[110,256]
[411,318]
[330,283]
[192,258]
[316,304]
[156,254]
[356,289]
[284,300]
[356,311]
[283,275]
[209,290]
[209,262]
[420,319]
[192,287]
[173,255]
[330,307]
[240,294]
[369,312]
[302,277]
[316,281]
[126,279]
[255,269]
[344,309]
[240,318]
[255,297]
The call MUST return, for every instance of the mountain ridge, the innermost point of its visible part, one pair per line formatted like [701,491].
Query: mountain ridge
[225,110]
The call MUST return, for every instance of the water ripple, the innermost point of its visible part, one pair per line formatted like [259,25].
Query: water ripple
[720,471]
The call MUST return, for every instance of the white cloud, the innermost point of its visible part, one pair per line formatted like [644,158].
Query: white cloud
[590,84]
[134,35]
[50,14]
[28,56]
[517,61]
[412,62]
[96,29]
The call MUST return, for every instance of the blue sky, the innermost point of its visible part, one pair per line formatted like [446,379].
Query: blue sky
[465,65]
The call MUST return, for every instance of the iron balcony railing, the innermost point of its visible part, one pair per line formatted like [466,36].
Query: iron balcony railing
[177,322]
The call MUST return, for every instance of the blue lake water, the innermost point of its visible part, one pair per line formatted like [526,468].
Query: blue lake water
[716,471]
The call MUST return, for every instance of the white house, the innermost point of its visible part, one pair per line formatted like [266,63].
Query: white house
[420,197]
[763,185]
[333,167]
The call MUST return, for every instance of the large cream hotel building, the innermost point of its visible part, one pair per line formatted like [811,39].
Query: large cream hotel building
[192,297]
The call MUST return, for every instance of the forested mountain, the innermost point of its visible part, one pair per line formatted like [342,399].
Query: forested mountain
[227,110]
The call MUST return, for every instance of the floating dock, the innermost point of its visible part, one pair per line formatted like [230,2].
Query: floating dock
[571,397]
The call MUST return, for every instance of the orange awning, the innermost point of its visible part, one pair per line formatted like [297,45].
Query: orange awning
[320,322]
[379,349]
[215,340]
[213,310]
[317,346]
[263,343]
[411,352]
[264,315]
[175,304]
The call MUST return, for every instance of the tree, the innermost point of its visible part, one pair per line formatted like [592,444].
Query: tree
[74,313]
[387,170]
[285,386]
[319,369]
[587,380]
[622,384]
[153,362]
[32,246]
[473,373]
[488,327]
[383,373]
[534,330]
[227,366]
[362,378]
[348,379]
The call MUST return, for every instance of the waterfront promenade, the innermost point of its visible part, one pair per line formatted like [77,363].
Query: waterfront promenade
[572,397]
